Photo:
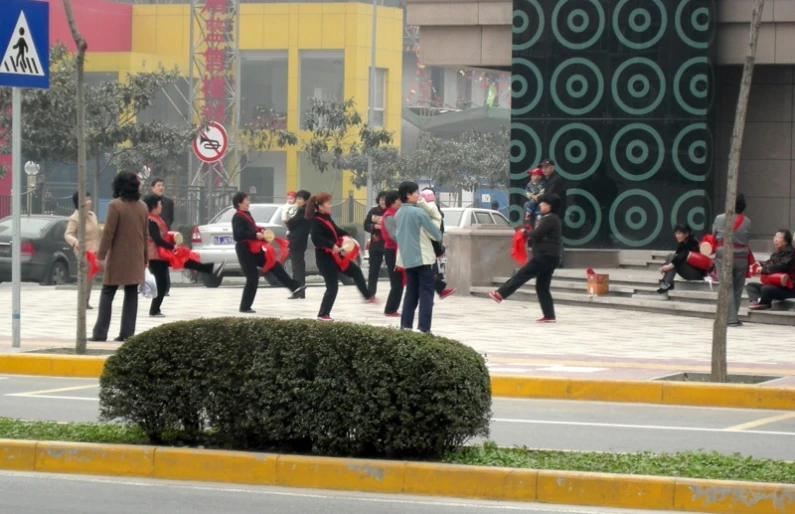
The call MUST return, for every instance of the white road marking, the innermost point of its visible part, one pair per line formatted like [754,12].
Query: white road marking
[53,397]
[639,427]
[265,491]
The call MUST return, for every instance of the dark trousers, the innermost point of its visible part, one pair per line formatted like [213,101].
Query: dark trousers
[439,284]
[767,294]
[129,312]
[298,260]
[419,291]
[685,270]
[330,271]
[376,259]
[168,282]
[251,264]
[159,270]
[541,268]
[395,282]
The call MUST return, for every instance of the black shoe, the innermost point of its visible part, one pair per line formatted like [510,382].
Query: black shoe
[88,307]
[157,315]
[248,311]
[96,340]
[735,324]
[119,339]
[301,291]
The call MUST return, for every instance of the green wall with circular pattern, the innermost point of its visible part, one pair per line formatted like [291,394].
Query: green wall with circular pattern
[619,94]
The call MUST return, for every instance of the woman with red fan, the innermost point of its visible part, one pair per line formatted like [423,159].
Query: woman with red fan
[255,254]
[681,261]
[777,273]
[335,253]
[161,253]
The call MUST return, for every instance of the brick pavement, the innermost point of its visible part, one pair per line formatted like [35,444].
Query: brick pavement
[586,342]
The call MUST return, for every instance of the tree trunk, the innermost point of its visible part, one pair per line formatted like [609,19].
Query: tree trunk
[719,365]
[82,275]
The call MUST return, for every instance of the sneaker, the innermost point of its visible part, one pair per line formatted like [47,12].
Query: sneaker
[298,292]
[218,269]
[157,315]
[447,292]
[494,295]
[392,314]
[248,311]
[324,318]
[759,306]
[372,299]
[546,320]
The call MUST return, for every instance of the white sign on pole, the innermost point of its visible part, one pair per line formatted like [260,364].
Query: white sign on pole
[211,143]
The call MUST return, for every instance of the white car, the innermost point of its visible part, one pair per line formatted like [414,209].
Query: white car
[214,243]
[464,217]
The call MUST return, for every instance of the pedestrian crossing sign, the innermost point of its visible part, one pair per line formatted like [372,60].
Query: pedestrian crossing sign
[24,36]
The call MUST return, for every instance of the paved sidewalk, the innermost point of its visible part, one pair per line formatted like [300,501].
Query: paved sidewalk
[586,342]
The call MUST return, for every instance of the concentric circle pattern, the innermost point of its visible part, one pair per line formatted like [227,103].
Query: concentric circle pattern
[620,94]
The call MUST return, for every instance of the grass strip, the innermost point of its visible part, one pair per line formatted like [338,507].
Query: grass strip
[713,465]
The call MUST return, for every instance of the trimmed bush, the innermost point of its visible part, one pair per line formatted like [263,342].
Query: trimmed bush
[299,385]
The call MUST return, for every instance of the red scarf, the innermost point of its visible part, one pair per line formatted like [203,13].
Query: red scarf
[343,261]
[259,245]
[751,259]
[519,248]
[177,257]
[163,253]
[388,241]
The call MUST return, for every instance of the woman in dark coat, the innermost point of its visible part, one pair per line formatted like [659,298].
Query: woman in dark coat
[329,255]
[545,239]
[677,261]
[249,241]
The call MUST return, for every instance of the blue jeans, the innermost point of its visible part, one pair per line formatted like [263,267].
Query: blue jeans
[419,290]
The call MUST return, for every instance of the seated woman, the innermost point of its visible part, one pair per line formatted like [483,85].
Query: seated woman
[781,261]
[676,263]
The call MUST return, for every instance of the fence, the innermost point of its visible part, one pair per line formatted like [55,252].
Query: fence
[46,198]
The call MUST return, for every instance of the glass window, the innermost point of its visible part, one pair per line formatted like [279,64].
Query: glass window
[379,117]
[463,90]
[260,213]
[31,227]
[484,218]
[263,84]
[170,106]
[322,76]
[500,220]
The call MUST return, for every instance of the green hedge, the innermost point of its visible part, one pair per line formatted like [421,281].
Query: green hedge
[299,385]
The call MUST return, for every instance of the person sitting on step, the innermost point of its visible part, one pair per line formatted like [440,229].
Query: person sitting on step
[676,263]
[781,261]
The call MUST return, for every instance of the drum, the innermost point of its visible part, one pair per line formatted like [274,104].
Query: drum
[706,248]
[268,235]
[699,261]
[777,279]
[348,244]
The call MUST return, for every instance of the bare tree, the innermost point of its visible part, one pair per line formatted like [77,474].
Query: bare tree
[719,366]
[82,275]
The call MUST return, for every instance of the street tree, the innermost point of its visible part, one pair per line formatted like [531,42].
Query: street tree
[389,167]
[719,372]
[265,132]
[336,130]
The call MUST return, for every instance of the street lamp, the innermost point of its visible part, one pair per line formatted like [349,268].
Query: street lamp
[31,168]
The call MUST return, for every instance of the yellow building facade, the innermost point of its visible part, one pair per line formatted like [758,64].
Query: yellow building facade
[289,53]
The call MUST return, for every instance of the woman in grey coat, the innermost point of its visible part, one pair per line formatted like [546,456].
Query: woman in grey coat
[741,240]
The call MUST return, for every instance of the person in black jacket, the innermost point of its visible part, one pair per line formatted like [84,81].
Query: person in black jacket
[251,257]
[545,239]
[298,237]
[157,265]
[158,187]
[376,248]
[676,263]
[781,261]
[327,238]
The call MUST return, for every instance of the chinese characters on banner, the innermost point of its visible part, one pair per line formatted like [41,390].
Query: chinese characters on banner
[218,77]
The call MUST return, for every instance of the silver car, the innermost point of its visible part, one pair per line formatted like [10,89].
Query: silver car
[214,243]
[463,217]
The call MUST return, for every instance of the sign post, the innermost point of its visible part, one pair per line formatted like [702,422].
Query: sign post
[25,34]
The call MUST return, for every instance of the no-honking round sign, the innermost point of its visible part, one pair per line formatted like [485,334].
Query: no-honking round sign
[211,143]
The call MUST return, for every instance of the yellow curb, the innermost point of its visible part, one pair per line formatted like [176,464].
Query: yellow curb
[398,477]
[668,393]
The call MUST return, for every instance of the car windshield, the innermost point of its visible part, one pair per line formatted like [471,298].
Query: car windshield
[452,218]
[31,227]
[260,213]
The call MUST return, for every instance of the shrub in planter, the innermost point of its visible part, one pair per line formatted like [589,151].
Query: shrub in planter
[299,385]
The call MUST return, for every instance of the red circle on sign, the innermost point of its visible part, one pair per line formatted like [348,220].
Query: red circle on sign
[207,153]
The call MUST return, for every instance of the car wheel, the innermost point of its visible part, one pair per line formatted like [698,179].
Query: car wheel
[57,275]
[210,280]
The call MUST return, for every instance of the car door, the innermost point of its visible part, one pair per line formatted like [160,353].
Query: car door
[53,240]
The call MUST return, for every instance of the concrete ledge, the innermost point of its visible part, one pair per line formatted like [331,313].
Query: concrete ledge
[670,393]
[419,478]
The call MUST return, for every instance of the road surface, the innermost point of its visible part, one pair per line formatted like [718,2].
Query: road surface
[549,424]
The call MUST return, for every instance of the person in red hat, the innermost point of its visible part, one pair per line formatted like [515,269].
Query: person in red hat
[535,189]
[290,208]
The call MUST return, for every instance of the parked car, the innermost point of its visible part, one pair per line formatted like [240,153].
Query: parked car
[472,216]
[46,257]
[214,243]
